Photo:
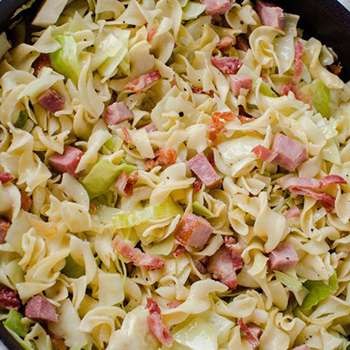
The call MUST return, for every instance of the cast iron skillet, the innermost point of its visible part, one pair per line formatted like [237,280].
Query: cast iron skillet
[327,20]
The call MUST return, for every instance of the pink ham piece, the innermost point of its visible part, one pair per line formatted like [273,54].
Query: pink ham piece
[251,332]
[240,82]
[4,227]
[51,100]
[225,43]
[9,299]
[156,325]
[180,250]
[225,262]
[193,231]
[136,256]
[200,165]
[270,15]
[293,213]
[5,177]
[217,7]
[125,183]
[286,152]
[298,63]
[143,82]
[227,65]
[283,257]
[117,113]
[301,347]
[68,161]
[38,308]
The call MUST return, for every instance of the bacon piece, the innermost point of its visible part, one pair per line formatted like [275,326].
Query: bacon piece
[117,113]
[51,100]
[251,331]
[225,43]
[200,165]
[293,213]
[155,324]
[301,347]
[9,298]
[42,61]
[143,82]
[197,185]
[286,152]
[217,7]
[126,134]
[242,42]
[298,63]
[150,164]
[136,256]
[311,183]
[283,257]
[270,15]
[193,231]
[151,34]
[296,91]
[6,177]
[240,82]
[4,227]
[199,90]
[166,156]
[227,65]
[38,308]
[180,250]
[173,304]
[225,262]
[68,161]
[125,183]
[57,342]
[26,201]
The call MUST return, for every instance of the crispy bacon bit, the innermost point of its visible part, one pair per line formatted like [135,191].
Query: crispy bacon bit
[240,82]
[193,231]
[143,82]
[51,100]
[4,227]
[156,325]
[180,250]
[117,113]
[125,183]
[251,331]
[136,256]
[283,257]
[336,68]
[151,34]
[6,177]
[38,308]
[242,42]
[225,262]
[42,61]
[26,201]
[9,298]
[225,43]
[293,213]
[201,167]
[199,90]
[227,65]
[270,15]
[57,342]
[217,126]
[126,134]
[298,63]
[68,161]
[217,7]
[166,156]
[197,185]
[150,164]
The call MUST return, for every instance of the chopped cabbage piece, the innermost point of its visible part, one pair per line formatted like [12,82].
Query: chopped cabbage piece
[321,98]
[267,90]
[192,10]
[21,120]
[15,323]
[72,269]
[201,210]
[290,282]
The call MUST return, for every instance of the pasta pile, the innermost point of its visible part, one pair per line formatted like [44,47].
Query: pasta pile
[137,97]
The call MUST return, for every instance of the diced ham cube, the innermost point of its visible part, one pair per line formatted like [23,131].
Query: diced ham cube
[68,161]
[225,262]
[227,65]
[197,186]
[156,325]
[225,43]
[136,256]
[9,298]
[239,82]
[193,231]
[117,113]
[166,156]
[51,100]
[285,152]
[4,227]
[251,332]
[42,61]
[283,257]
[217,7]
[301,347]
[125,183]
[26,201]
[298,63]
[38,308]
[143,82]
[201,167]
[5,177]
[270,15]
[293,213]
